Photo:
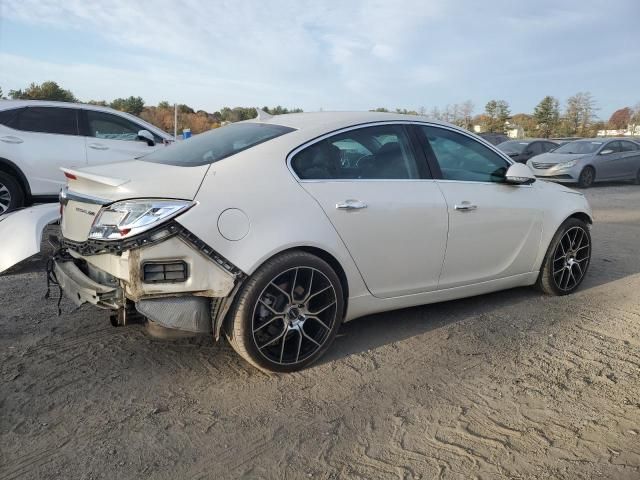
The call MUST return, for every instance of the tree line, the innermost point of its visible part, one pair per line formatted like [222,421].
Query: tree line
[576,118]
[161,115]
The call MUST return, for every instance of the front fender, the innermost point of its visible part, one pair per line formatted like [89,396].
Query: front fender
[21,232]
[570,204]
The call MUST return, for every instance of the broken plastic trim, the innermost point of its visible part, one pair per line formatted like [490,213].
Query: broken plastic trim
[151,237]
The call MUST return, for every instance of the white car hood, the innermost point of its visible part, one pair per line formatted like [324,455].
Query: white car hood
[21,232]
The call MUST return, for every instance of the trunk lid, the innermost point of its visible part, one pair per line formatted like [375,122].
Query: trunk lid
[136,179]
[90,188]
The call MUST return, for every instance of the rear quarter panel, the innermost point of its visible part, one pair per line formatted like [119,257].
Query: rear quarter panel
[282,215]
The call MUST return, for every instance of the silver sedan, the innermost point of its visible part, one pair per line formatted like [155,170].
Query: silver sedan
[584,162]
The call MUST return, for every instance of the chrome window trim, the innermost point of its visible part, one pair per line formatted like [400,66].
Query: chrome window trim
[474,182]
[389,122]
[66,195]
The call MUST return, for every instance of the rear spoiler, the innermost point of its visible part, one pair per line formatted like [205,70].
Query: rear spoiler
[109,181]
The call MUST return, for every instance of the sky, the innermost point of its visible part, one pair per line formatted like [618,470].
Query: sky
[326,54]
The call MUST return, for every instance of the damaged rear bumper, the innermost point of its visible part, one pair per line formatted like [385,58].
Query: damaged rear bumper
[79,288]
[117,278]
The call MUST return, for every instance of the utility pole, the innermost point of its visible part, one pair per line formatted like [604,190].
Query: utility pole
[175,121]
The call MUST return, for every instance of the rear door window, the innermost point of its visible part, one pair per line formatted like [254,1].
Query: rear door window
[58,120]
[9,118]
[380,152]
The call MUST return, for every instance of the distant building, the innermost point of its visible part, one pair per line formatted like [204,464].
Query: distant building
[621,132]
[515,131]
[512,130]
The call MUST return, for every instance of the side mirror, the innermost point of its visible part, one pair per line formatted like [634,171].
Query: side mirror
[606,151]
[146,136]
[519,174]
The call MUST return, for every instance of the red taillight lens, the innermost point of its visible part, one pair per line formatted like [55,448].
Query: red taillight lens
[70,176]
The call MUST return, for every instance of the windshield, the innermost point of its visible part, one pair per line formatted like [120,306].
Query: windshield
[512,146]
[579,146]
[209,147]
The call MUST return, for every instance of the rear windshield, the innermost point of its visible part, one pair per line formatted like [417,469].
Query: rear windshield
[209,147]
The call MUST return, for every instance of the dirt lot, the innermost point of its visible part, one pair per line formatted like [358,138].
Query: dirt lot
[508,385]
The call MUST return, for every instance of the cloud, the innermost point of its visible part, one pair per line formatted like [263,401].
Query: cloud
[331,54]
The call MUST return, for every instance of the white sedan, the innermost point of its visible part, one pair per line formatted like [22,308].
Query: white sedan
[274,231]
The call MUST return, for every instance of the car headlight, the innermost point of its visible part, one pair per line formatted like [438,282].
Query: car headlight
[131,217]
[569,164]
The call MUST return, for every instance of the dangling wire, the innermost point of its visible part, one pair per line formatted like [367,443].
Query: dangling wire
[52,279]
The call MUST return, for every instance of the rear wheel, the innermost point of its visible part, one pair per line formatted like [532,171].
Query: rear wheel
[567,259]
[287,314]
[587,177]
[11,195]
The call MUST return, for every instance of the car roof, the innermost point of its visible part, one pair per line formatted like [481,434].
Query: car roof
[5,104]
[8,104]
[311,125]
[596,139]
[329,121]
[530,140]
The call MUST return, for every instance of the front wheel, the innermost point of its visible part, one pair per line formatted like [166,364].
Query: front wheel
[287,313]
[587,177]
[11,196]
[567,259]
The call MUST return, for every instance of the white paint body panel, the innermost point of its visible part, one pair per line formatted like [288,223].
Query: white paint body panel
[40,155]
[398,241]
[499,238]
[21,233]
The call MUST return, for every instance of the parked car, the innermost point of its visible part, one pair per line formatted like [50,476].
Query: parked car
[259,230]
[586,161]
[494,138]
[522,150]
[37,138]
[563,140]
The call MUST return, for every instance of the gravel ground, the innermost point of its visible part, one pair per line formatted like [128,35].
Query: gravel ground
[508,385]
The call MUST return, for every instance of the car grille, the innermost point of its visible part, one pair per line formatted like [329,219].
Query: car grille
[542,166]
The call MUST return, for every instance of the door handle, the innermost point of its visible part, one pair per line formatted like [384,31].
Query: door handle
[98,146]
[11,139]
[351,205]
[465,207]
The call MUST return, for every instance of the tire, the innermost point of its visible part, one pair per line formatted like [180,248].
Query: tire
[11,194]
[287,313]
[567,259]
[587,177]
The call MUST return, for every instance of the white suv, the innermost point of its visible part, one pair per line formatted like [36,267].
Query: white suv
[39,137]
